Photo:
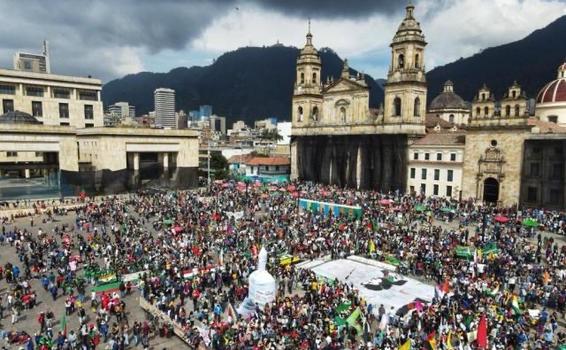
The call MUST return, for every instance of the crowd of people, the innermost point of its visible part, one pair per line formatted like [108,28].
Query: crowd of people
[192,253]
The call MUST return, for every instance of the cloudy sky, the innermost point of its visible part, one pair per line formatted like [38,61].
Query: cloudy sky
[111,38]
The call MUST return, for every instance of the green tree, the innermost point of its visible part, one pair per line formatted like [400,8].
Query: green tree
[218,165]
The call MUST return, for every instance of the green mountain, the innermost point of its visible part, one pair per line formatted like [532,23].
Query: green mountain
[246,84]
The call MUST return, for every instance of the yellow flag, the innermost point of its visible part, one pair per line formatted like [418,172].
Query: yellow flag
[406,346]
[371,246]
[449,341]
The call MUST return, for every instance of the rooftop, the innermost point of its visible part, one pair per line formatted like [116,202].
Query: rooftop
[442,139]
[269,161]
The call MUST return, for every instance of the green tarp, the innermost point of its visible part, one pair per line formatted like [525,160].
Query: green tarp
[465,252]
[529,222]
[490,248]
[420,208]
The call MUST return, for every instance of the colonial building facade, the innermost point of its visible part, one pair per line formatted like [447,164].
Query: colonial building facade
[338,139]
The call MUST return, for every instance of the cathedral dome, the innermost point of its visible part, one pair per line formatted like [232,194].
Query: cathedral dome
[448,99]
[555,91]
[18,117]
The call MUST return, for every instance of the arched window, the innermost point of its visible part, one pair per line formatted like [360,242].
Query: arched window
[343,114]
[315,113]
[417,64]
[486,111]
[417,107]
[517,110]
[483,96]
[397,107]
[300,113]
[401,61]
[507,110]
[514,93]
[314,78]
[302,78]
[451,118]
[478,112]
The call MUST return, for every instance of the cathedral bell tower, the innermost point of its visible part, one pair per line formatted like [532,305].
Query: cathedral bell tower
[406,89]
[307,94]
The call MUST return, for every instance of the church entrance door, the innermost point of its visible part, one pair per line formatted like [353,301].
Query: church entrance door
[491,190]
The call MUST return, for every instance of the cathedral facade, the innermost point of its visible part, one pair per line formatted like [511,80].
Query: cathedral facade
[338,139]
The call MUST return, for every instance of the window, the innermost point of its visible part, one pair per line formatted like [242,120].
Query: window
[401,61]
[88,95]
[427,156]
[448,191]
[436,174]
[415,156]
[417,60]
[483,96]
[553,118]
[300,113]
[514,93]
[478,111]
[486,111]
[302,78]
[64,124]
[397,107]
[36,109]
[7,89]
[451,118]
[315,113]
[61,93]
[493,143]
[450,175]
[534,169]
[63,110]
[532,194]
[8,106]
[435,190]
[413,171]
[411,189]
[423,188]
[557,171]
[452,157]
[439,156]
[89,125]
[11,154]
[423,174]
[39,154]
[507,110]
[89,112]
[555,196]
[417,107]
[314,78]
[34,91]
[517,110]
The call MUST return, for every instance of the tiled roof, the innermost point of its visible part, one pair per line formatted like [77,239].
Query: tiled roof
[442,139]
[432,120]
[241,158]
[269,161]
[546,127]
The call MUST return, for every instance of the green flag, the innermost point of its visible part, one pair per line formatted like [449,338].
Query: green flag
[63,324]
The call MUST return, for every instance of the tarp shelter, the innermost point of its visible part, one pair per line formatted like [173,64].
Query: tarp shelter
[501,219]
[529,222]
[330,208]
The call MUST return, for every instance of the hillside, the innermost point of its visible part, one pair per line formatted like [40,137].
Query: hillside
[531,61]
[248,84]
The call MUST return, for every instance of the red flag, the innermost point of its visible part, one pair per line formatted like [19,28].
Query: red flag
[482,333]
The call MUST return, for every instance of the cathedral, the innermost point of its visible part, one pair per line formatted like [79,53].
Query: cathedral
[338,139]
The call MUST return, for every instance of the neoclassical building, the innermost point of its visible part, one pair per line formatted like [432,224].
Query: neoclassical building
[449,106]
[337,138]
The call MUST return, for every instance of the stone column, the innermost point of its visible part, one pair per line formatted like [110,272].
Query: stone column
[359,167]
[294,161]
[136,161]
[165,160]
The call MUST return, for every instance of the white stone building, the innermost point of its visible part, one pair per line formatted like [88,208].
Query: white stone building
[435,164]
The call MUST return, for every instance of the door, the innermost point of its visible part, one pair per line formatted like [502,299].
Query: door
[491,190]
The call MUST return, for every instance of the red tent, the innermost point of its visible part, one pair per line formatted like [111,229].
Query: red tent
[385,201]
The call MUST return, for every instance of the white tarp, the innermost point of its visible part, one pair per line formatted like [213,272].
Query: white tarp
[358,271]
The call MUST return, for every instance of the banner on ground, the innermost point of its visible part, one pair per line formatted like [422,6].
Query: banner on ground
[327,208]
